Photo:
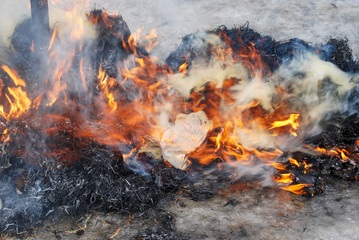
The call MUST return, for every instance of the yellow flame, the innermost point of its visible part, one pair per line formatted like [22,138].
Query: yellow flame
[14,76]
[105,83]
[297,188]
[284,178]
[183,68]
[294,162]
[17,98]
[291,121]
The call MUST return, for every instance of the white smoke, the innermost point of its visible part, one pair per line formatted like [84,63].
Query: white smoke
[309,86]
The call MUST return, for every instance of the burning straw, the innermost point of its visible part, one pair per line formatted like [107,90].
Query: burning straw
[113,129]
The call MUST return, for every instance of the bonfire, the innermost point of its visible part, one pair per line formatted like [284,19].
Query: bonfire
[90,120]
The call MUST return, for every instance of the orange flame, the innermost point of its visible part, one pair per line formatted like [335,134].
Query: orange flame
[32,47]
[5,137]
[106,83]
[120,121]
[278,166]
[14,76]
[151,40]
[284,178]
[297,188]
[53,37]
[343,154]
[183,68]
[294,162]
[82,73]
[17,98]
[291,121]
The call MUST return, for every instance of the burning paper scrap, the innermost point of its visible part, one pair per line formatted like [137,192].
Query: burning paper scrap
[151,146]
[188,133]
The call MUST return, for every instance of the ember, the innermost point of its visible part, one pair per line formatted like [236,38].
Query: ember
[111,128]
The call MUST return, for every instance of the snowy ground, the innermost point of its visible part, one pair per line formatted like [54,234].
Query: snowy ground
[261,214]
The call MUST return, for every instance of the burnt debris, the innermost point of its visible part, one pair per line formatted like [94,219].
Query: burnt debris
[44,175]
[272,52]
[35,185]
[108,50]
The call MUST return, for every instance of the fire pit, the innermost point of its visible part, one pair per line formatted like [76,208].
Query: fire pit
[93,125]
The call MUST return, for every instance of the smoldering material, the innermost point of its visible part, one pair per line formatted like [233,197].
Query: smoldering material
[95,177]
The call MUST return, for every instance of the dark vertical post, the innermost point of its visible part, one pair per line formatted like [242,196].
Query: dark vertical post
[40,25]
[41,36]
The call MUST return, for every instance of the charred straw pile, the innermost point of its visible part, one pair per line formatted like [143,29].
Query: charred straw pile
[48,169]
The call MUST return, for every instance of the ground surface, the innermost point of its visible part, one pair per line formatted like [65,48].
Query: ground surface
[257,213]
[312,21]
[253,214]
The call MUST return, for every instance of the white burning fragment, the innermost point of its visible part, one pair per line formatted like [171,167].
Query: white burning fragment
[188,133]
